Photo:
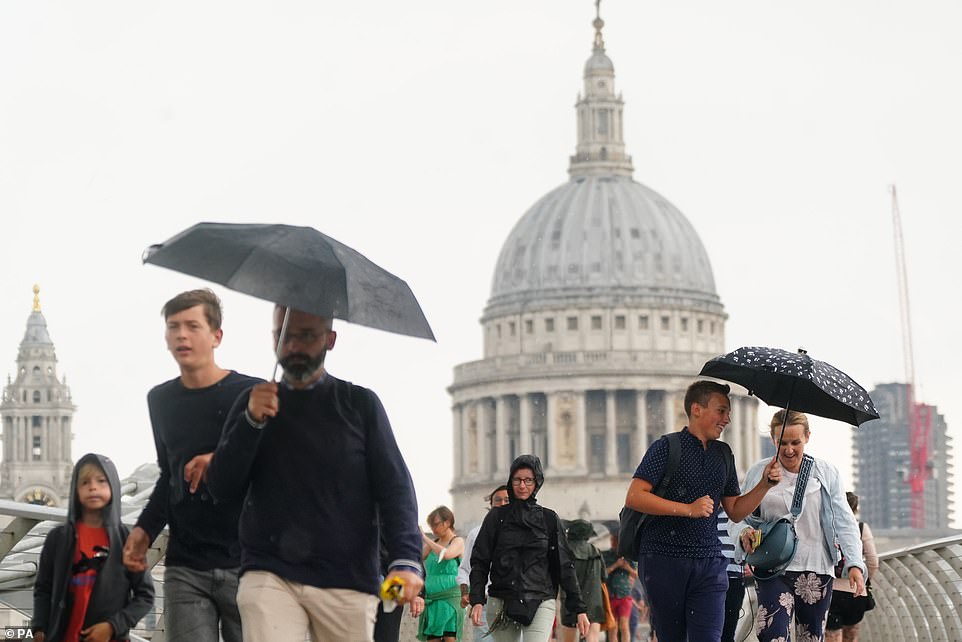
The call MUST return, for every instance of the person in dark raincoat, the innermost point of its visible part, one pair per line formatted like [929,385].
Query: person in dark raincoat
[523,548]
[82,588]
[590,569]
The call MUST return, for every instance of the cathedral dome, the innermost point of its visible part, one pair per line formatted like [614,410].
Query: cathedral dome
[602,239]
[605,239]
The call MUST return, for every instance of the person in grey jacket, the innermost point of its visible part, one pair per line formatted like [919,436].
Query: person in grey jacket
[804,590]
[82,588]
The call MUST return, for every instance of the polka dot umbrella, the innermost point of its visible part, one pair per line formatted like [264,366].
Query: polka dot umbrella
[794,380]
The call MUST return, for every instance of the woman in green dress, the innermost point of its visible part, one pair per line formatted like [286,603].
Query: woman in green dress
[443,617]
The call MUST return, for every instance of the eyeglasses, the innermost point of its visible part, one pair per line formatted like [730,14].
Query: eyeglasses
[522,481]
[497,500]
[305,338]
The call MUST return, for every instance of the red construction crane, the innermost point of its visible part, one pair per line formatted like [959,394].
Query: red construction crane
[919,415]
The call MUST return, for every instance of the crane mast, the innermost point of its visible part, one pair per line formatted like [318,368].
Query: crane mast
[918,414]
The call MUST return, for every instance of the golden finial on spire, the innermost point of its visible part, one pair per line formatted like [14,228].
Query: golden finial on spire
[36,298]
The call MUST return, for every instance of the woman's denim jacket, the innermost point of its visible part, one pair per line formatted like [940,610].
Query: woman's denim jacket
[837,519]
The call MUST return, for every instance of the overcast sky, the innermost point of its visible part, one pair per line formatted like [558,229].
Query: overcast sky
[420,132]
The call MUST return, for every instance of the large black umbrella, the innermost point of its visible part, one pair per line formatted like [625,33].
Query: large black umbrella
[297,267]
[796,381]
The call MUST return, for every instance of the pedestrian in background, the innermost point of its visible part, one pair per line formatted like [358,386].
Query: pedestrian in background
[523,549]
[621,577]
[443,615]
[846,611]
[590,570]
[498,497]
[735,596]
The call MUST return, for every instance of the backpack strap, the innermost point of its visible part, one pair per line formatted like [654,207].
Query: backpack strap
[671,467]
[729,460]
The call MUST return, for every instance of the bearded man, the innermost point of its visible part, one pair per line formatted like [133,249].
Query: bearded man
[317,462]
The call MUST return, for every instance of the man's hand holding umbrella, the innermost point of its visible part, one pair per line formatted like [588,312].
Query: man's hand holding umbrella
[263,403]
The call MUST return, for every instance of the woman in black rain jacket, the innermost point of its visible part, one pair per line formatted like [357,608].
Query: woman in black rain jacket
[523,549]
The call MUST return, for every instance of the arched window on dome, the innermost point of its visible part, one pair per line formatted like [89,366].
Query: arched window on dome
[36,371]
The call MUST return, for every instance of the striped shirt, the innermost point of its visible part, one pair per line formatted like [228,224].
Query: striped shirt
[728,546]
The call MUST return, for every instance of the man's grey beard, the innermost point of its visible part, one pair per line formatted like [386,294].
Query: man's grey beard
[301,368]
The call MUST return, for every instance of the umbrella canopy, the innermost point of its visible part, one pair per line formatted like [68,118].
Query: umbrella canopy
[296,267]
[794,380]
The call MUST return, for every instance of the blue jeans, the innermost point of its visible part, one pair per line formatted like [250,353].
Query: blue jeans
[686,596]
[200,606]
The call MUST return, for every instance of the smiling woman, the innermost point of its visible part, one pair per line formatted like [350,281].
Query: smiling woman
[825,524]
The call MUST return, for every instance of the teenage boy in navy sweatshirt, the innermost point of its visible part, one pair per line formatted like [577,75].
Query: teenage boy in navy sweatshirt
[187,415]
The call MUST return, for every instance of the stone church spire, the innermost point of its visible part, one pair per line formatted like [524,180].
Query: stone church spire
[601,145]
[37,414]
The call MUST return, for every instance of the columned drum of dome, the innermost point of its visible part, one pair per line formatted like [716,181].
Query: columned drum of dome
[602,311]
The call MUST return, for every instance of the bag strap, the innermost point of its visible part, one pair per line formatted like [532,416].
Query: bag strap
[671,467]
[800,484]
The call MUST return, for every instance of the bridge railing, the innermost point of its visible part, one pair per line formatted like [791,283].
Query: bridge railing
[918,592]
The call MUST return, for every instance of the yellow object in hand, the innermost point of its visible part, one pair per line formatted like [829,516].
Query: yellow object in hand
[756,539]
[391,590]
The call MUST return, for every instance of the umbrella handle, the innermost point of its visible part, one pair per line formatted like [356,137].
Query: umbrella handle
[778,444]
[280,342]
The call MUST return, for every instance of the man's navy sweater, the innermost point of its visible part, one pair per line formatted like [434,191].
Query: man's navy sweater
[187,422]
[315,477]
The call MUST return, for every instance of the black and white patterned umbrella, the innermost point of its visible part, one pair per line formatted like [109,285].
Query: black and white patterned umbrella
[796,381]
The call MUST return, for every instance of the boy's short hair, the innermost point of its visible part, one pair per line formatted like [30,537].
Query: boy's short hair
[701,391]
[191,298]
[89,468]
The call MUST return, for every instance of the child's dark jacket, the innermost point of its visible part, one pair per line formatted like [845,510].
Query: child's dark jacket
[119,597]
